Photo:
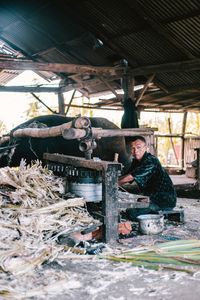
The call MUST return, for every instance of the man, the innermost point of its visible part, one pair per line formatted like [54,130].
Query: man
[151,178]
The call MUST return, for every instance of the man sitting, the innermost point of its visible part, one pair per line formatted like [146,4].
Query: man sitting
[151,178]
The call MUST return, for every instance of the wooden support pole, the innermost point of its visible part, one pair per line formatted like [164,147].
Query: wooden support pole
[183,139]
[110,88]
[198,167]
[61,104]
[70,102]
[143,90]
[36,97]
[128,86]
[171,140]
[110,203]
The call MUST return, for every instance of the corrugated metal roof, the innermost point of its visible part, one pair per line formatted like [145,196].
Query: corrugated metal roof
[180,79]
[7,75]
[103,33]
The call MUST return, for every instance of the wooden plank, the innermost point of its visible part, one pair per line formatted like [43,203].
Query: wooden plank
[129,200]
[80,161]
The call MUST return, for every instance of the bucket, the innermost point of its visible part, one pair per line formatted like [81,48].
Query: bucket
[86,184]
[91,192]
[151,224]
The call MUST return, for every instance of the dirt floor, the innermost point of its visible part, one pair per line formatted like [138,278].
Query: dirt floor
[97,279]
[35,265]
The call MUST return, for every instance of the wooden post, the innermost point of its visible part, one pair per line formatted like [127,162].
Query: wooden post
[128,87]
[171,140]
[141,94]
[36,97]
[183,140]
[198,166]
[61,104]
[110,203]
[70,102]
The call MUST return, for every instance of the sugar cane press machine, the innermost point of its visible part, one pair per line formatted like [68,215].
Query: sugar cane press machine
[92,178]
[88,177]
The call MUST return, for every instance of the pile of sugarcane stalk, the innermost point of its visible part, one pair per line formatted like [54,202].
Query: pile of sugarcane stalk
[33,215]
[181,255]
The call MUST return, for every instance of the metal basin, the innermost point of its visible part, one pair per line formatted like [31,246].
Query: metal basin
[151,224]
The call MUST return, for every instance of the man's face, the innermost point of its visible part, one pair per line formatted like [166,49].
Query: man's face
[138,149]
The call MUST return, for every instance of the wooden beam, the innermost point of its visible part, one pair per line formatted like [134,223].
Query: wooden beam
[192,105]
[28,89]
[106,102]
[159,96]
[58,67]
[143,90]
[128,86]
[120,108]
[172,108]
[70,102]
[180,101]
[85,84]
[180,66]
[110,87]
[36,97]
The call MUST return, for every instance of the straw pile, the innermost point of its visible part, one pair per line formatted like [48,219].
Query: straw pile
[33,215]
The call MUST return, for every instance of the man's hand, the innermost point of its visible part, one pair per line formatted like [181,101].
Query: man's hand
[125,179]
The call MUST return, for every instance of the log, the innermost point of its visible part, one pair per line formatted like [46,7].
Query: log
[81,122]
[41,132]
[79,132]
[97,133]
[4,139]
